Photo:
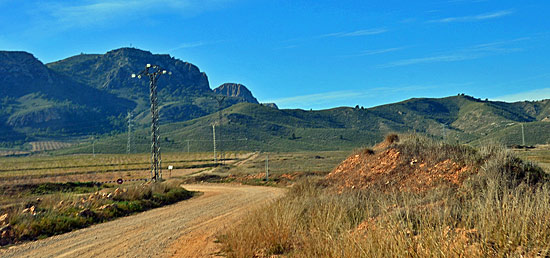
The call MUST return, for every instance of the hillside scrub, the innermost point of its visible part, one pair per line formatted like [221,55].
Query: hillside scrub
[61,211]
[499,210]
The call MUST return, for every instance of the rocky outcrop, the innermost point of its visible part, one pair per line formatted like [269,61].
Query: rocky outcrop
[112,72]
[236,90]
[271,105]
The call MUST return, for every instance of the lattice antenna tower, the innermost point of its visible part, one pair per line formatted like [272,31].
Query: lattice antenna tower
[154,72]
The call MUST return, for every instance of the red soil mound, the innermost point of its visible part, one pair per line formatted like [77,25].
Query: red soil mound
[389,170]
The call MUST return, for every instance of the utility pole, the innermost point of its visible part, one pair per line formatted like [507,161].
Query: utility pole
[267,167]
[220,101]
[93,146]
[522,135]
[128,145]
[214,140]
[187,146]
[154,72]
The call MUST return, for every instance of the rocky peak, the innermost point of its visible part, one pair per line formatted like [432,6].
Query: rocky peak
[111,71]
[22,69]
[271,105]
[236,90]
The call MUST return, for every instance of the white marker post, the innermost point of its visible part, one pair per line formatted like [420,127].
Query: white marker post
[170,169]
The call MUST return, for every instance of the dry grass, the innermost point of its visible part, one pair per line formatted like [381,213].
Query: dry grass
[62,208]
[502,211]
[284,168]
[39,169]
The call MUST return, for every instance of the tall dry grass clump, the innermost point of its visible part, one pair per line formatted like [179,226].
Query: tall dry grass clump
[501,211]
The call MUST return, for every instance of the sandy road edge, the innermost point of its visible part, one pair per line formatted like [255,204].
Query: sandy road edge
[184,229]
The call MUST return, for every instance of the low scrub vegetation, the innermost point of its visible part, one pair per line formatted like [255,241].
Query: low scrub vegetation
[500,210]
[59,211]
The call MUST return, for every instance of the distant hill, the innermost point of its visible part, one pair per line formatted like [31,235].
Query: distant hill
[236,90]
[247,126]
[183,95]
[92,94]
[38,101]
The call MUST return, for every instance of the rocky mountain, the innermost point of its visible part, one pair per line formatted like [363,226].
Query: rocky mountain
[112,71]
[88,95]
[35,98]
[236,90]
[92,93]
[183,95]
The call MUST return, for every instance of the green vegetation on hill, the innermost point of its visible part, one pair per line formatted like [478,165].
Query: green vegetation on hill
[89,95]
[247,126]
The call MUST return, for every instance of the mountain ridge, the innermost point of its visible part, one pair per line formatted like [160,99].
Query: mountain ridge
[91,94]
[254,127]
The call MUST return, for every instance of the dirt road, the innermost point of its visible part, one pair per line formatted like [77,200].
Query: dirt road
[185,229]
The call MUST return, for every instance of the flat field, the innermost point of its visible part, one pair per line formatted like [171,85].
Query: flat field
[540,155]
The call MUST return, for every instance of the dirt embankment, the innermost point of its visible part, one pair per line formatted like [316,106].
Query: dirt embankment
[185,229]
[387,168]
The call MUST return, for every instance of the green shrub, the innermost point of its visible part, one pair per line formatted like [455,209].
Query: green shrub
[62,213]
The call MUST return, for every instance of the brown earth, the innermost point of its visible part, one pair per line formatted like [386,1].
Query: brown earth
[386,168]
[184,229]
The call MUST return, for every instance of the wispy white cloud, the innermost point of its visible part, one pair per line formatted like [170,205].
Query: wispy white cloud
[68,14]
[470,53]
[319,98]
[466,1]
[287,47]
[346,95]
[356,33]
[375,52]
[479,17]
[538,94]
[432,59]
[196,44]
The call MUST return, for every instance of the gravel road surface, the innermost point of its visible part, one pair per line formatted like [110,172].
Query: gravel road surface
[184,229]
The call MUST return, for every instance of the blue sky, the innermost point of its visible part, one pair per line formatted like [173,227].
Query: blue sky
[311,53]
